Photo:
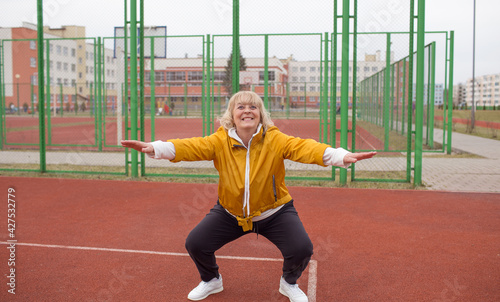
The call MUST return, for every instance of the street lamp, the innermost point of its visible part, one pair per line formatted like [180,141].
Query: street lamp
[17,77]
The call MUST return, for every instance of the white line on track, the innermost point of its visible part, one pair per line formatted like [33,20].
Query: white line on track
[365,140]
[313,264]
[313,276]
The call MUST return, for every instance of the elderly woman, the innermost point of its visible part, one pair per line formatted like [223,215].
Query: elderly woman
[249,153]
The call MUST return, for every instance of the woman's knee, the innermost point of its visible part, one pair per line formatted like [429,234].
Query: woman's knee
[194,242]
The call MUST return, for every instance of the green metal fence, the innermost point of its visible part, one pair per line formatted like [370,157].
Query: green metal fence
[354,102]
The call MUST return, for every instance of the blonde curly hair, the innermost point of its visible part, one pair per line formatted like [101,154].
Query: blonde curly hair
[245,98]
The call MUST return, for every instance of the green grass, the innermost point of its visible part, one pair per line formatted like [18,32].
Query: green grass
[396,140]
[481,115]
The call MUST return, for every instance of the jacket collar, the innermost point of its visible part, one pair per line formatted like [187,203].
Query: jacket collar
[258,135]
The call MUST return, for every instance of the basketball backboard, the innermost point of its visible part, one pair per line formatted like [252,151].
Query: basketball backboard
[160,41]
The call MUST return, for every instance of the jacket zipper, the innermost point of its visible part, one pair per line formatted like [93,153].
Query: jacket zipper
[274,189]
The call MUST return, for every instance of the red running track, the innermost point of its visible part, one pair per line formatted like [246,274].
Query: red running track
[484,124]
[111,242]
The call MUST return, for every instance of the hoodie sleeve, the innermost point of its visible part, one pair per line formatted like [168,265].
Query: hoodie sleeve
[163,150]
[335,157]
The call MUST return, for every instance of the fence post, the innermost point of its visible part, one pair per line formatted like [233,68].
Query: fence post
[99,102]
[266,72]
[49,98]
[387,86]
[152,85]
[431,96]
[236,47]
[419,104]
[409,130]
[41,87]
[354,85]
[133,83]
[450,93]
[141,62]
[324,100]
[344,99]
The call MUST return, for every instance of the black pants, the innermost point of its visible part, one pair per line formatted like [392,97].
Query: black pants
[284,229]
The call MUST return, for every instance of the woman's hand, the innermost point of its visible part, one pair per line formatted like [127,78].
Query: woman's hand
[139,146]
[351,158]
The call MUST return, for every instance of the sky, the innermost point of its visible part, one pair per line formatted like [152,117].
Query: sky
[201,17]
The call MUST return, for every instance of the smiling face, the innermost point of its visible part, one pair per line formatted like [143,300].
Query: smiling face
[246,117]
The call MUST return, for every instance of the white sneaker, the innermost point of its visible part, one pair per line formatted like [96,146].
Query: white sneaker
[292,291]
[205,289]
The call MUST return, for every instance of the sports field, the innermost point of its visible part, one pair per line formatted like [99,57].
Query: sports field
[97,240]
[82,132]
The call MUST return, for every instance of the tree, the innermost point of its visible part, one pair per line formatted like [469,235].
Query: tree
[227,82]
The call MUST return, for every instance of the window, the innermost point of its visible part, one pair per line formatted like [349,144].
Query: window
[73,83]
[34,79]
[312,79]
[301,88]
[58,49]
[295,79]
[65,82]
[65,51]
[159,76]
[176,76]
[32,62]
[295,88]
[58,65]
[295,69]
[73,67]
[270,75]
[312,88]
[374,68]
[32,44]
[195,76]
[312,69]
[65,66]
[302,79]
[219,76]
[302,69]
[73,52]
[366,68]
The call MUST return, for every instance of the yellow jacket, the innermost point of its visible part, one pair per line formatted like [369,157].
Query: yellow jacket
[243,192]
